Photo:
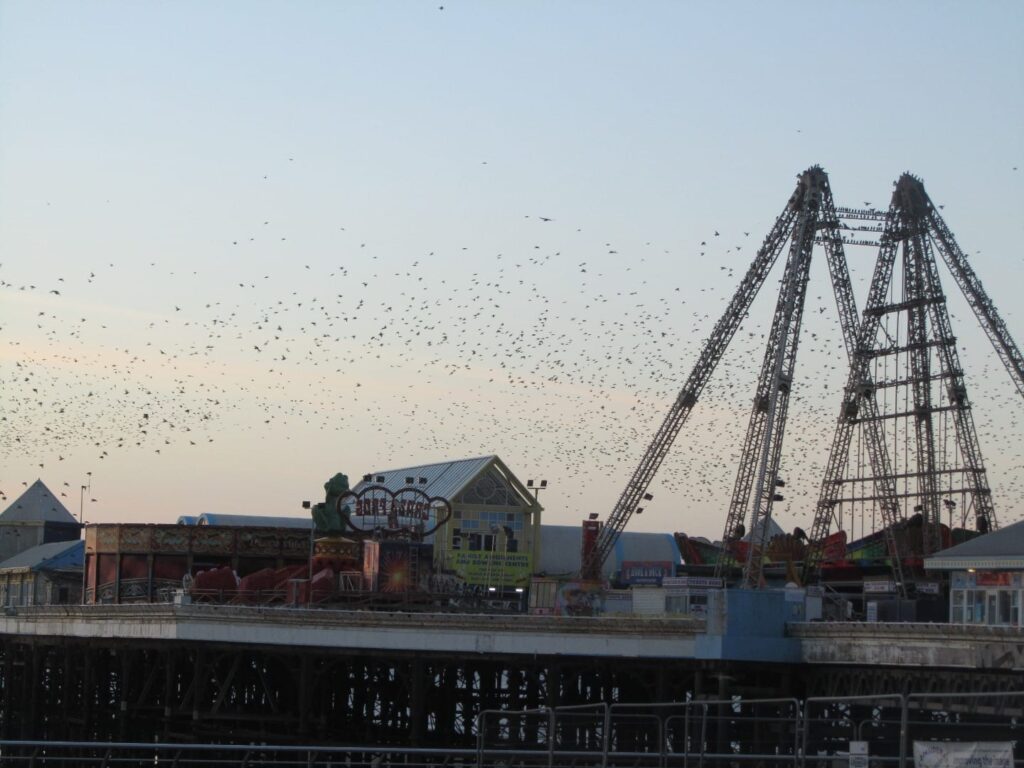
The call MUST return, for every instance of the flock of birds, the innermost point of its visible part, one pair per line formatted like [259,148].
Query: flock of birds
[560,352]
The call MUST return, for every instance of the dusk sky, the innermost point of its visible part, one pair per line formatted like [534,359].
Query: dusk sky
[246,245]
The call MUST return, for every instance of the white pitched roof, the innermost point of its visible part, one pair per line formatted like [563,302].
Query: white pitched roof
[37,504]
[446,479]
[999,549]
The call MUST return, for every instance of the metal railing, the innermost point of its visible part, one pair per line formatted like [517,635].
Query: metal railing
[782,732]
[698,733]
[64,753]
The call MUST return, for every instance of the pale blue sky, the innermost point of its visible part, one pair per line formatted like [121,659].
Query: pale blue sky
[409,145]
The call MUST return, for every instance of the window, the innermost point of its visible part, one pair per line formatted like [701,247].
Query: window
[975,608]
[1004,606]
[676,603]
[996,607]
[474,542]
[491,488]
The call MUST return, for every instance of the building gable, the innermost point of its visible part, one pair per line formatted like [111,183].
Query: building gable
[480,480]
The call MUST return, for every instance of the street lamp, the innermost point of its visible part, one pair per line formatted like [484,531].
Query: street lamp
[541,486]
[490,559]
[81,497]
[309,581]
[534,535]
[950,506]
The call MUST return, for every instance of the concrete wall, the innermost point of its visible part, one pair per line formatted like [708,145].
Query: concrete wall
[378,631]
[911,645]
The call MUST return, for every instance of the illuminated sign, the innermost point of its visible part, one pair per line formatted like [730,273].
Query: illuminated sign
[879,587]
[645,571]
[405,509]
[393,508]
[992,578]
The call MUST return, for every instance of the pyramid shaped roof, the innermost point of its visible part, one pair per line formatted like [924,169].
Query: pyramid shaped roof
[37,505]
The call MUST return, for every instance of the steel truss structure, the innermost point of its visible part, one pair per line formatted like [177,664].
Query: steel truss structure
[906,388]
[108,691]
[911,231]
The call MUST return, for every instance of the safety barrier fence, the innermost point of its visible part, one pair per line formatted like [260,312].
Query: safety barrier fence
[734,732]
[719,733]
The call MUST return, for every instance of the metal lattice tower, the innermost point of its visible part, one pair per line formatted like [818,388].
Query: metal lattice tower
[906,391]
[758,474]
[932,374]
[723,332]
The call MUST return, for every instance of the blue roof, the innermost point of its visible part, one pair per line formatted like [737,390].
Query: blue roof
[252,521]
[55,556]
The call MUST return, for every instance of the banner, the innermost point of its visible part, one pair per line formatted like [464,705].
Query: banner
[968,754]
[580,598]
[993,578]
[692,582]
[484,568]
[859,754]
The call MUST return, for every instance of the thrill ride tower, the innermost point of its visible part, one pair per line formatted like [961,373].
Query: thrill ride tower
[905,411]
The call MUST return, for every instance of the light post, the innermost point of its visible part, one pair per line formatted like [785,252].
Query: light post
[81,497]
[507,530]
[309,580]
[541,486]
[950,506]
[490,558]
[534,522]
